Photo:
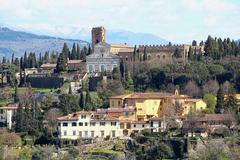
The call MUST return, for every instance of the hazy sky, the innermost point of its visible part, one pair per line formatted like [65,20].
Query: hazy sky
[175,20]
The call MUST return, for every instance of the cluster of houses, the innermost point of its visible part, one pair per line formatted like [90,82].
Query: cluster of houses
[129,114]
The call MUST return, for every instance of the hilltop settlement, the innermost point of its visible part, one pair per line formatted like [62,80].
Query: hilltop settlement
[116,101]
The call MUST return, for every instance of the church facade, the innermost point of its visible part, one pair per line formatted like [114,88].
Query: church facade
[102,60]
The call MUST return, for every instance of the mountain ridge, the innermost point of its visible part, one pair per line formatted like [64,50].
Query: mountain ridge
[17,42]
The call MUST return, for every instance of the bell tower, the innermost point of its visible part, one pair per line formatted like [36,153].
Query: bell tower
[98,35]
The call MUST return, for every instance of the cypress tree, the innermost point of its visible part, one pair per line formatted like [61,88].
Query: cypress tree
[20,122]
[16,98]
[70,89]
[89,50]
[220,100]
[61,63]
[78,51]
[81,100]
[88,98]
[25,60]
[65,51]
[74,52]
[12,58]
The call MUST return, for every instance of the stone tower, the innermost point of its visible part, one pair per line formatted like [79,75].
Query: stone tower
[98,35]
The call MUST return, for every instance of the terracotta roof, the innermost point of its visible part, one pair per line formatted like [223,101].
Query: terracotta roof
[148,95]
[105,119]
[126,50]
[212,117]
[74,116]
[10,107]
[121,45]
[48,65]
[192,100]
[74,61]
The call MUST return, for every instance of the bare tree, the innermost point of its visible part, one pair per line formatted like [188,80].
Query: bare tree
[212,86]
[51,117]
[192,89]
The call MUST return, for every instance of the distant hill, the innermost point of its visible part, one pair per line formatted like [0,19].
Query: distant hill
[18,42]
[134,38]
[113,36]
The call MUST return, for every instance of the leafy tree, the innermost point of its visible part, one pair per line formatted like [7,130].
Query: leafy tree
[69,103]
[211,102]
[106,90]
[230,103]
[116,75]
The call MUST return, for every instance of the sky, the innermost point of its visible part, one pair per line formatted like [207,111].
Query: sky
[179,21]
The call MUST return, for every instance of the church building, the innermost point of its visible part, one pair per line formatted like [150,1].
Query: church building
[102,60]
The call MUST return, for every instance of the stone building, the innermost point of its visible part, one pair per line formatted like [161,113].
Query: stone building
[98,35]
[102,59]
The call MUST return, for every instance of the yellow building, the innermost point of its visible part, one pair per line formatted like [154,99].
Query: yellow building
[147,105]
[193,105]
[116,48]
[157,104]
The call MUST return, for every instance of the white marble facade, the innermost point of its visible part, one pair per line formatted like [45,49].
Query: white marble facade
[102,59]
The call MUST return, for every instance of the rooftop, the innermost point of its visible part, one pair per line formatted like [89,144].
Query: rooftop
[74,61]
[212,117]
[149,95]
[48,65]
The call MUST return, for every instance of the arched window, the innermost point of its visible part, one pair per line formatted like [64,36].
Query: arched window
[90,68]
[102,68]
[158,56]
[163,56]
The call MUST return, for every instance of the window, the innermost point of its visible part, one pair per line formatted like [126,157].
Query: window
[134,125]
[113,134]
[86,133]
[113,123]
[128,126]
[59,124]
[80,124]
[143,125]
[126,58]
[102,133]
[92,133]
[74,133]
[102,123]
[112,103]
[83,116]
[140,109]
[86,124]
[65,124]
[163,56]
[74,124]
[80,133]
[158,56]
[119,103]
[92,123]
[64,133]
[122,125]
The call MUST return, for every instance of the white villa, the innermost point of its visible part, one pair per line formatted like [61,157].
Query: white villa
[88,124]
